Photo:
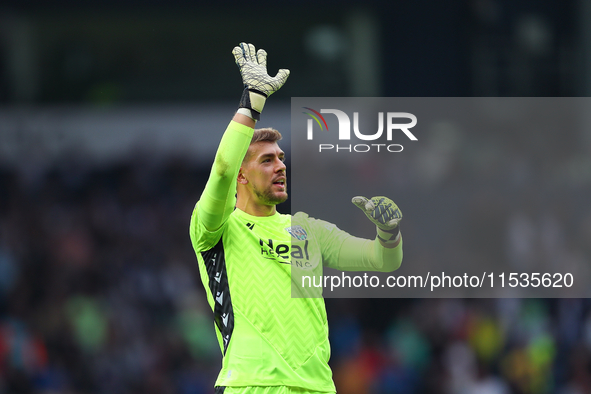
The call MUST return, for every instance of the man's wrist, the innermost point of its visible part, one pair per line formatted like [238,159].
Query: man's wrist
[246,112]
[254,101]
[389,238]
[244,120]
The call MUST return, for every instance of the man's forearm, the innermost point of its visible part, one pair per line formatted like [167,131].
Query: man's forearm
[359,254]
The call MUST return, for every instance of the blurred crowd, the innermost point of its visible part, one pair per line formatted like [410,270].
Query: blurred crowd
[477,346]
[100,290]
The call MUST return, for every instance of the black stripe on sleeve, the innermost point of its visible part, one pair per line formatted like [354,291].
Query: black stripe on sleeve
[223,313]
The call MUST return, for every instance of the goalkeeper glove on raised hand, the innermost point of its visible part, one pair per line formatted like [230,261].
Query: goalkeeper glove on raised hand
[384,214]
[258,85]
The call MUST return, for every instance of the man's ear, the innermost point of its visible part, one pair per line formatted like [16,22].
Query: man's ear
[241,178]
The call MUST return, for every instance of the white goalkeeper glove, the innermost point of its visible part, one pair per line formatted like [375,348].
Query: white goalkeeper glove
[384,214]
[258,85]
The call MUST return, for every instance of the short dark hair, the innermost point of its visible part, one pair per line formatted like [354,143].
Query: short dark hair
[266,134]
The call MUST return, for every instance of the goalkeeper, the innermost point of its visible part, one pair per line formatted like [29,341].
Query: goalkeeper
[271,342]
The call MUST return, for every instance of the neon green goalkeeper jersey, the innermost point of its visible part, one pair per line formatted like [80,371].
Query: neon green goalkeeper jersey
[267,337]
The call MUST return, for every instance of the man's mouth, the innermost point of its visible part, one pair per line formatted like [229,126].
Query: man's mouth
[280,182]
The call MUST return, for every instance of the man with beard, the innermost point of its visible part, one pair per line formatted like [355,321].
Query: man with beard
[247,252]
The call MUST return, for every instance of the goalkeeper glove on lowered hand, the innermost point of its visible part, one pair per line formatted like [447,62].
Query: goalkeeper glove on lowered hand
[258,85]
[384,214]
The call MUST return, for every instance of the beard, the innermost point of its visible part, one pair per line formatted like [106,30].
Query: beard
[268,197]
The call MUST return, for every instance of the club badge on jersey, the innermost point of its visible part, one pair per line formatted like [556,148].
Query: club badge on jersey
[297,232]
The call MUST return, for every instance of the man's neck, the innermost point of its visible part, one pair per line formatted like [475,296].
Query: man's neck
[256,209]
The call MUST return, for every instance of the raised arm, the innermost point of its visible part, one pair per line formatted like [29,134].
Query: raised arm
[219,196]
